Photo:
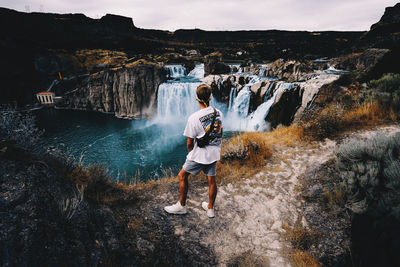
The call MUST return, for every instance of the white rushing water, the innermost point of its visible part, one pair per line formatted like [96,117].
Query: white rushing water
[176,71]
[197,72]
[176,99]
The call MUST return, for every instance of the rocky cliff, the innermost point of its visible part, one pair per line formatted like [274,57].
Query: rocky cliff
[385,33]
[128,92]
[290,70]
[288,100]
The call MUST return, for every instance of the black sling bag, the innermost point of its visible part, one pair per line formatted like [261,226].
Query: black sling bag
[205,139]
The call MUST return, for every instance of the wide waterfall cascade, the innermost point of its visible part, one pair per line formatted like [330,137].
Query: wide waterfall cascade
[176,99]
[148,147]
[176,71]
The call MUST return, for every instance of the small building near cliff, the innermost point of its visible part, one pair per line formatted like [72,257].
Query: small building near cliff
[45,98]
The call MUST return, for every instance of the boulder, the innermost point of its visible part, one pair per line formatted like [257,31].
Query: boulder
[285,106]
[213,64]
[290,70]
[222,85]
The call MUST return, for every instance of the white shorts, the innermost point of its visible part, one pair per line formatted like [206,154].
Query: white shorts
[194,168]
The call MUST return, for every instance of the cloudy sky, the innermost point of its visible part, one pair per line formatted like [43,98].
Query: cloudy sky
[311,15]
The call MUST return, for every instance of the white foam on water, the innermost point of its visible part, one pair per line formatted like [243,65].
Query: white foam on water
[176,71]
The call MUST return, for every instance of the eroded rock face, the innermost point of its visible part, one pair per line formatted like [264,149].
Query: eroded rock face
[127,92]
[213,65]
[384,33]
[287,106]
[290,70]
[360,62]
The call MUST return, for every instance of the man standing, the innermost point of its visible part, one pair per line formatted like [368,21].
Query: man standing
[205,122]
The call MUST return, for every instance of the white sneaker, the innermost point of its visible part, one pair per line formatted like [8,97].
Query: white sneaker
[176,209]
[210,212]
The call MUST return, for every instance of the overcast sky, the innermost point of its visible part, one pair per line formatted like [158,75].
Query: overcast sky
[311,15]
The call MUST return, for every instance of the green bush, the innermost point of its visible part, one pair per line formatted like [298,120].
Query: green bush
[371,174]
[388,83]
[387,90]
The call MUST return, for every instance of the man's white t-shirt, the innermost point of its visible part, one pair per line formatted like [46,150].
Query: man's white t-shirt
[197,125]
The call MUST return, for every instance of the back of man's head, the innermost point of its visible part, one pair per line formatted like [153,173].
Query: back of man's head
[204,93]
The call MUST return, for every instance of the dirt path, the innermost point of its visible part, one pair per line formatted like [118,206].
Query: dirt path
[249,214]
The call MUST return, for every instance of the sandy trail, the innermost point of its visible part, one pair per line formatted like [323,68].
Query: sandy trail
[250,214]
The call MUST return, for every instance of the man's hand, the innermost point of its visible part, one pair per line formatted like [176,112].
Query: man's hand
[190,144]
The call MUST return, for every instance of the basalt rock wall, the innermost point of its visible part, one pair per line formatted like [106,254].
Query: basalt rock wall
[129,92]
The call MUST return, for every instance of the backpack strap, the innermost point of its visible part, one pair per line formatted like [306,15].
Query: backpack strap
[212,124]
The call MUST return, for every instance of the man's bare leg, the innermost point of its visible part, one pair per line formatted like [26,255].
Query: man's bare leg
[212,192]
[183,186]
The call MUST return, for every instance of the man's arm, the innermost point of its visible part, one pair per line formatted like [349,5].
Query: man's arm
[190,144]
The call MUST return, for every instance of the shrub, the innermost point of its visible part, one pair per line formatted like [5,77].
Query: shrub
[388,90]
[388,83]
[325,123]
[247,259]
[248,146]
[304,259]
[300,237]
[20,128]
[245,155]
[333,119]
[371,173]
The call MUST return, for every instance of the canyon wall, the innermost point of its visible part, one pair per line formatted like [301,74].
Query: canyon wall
[128,92]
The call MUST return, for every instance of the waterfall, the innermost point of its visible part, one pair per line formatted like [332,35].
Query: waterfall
[267,93]
[261,71]
[241,104]
[234,67]
[197,72]
[232,96]
[176,71]
[257,118]
[176,100]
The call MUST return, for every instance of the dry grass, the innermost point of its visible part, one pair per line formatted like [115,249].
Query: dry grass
[304,259]
[299,237]
[253,148]
[246,154]
[335,198]
[92,57]
[135,224]
[333,119]
[248,259]
[99,187]
[367,113]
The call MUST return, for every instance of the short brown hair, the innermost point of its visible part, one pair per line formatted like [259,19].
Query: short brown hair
[203,92]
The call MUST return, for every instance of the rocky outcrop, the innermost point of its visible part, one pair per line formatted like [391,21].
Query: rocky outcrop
[128,92]
[287,105]
[290,70]
[385,33]
[47,221]
[213,64]
[360,61]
